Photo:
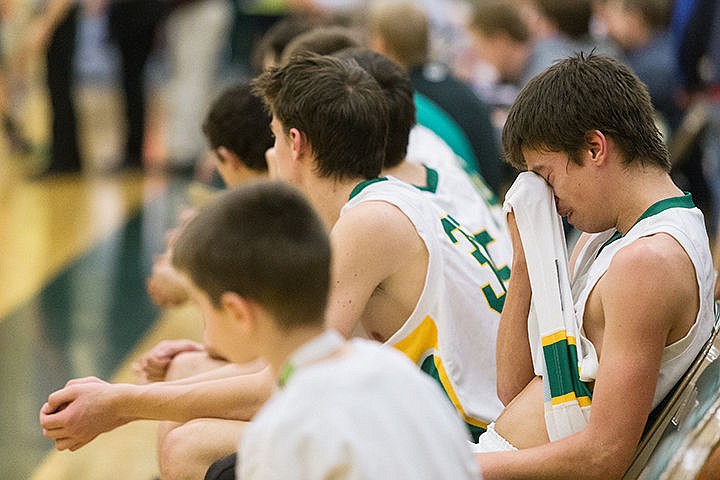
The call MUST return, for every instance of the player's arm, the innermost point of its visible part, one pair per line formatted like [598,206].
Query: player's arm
[514,363]
[648,286]
[228,370]
[85,408]
[370,243]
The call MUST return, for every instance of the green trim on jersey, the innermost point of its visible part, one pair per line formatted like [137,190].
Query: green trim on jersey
[428,366]
[683,201]
[361,186]
[432,179]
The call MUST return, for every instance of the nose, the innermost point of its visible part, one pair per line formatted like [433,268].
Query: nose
[270,159]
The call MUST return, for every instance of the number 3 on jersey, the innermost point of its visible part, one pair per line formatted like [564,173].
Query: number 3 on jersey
[455,233]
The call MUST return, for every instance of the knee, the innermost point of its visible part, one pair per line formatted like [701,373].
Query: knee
[181,456]
[187,364]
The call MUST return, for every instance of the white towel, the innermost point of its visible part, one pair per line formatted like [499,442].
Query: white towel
[553,330]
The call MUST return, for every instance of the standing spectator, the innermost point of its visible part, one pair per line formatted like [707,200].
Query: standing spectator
[53,30]
[501,39]
[132,25]
[196,33]
[700,64]
[12,130]
[640,28]
[560,29]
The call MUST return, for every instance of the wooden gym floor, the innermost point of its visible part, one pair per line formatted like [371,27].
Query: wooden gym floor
[74,255]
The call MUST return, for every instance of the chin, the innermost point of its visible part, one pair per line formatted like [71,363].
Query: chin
[587,228]
[579,225]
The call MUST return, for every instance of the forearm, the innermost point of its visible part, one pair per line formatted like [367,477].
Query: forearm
[228,370]
[514,362]
[235,398]
[581,455]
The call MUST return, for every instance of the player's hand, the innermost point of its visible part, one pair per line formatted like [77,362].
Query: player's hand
[79,412]
[165,286]
[153,365]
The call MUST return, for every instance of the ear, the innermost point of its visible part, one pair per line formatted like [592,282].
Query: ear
[225,154]
[232,160]
[240,312]
[597,147]
[298,143]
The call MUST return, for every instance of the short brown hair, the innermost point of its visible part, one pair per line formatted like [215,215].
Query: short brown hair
[337,105]
[323,41]
[398,90]
[558,108]
[238,121]
[265,242]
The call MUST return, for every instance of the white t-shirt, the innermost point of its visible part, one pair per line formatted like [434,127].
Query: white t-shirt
[367,413]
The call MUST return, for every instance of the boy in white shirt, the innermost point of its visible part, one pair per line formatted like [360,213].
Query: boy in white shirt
[257,261]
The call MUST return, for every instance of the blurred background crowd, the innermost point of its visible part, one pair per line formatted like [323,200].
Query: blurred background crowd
[165,60]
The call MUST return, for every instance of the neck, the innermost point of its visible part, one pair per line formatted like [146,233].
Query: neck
[286,343]
[408,172]
[328,195]
[656,185]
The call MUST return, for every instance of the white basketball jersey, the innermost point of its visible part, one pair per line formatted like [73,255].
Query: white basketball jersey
[453,191]
[452,331]
[679,218]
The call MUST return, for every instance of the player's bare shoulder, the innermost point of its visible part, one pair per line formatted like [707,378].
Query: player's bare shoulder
[379,222]
[654,257]
[654,276]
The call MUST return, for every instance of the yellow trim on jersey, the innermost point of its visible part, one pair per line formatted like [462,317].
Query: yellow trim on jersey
[571,397]
[558,337]
[416,346]
[554,338]
[420,340]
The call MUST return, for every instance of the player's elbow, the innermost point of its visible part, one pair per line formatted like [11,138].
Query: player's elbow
[505,395]
[604,468]
[609,461]
[508,388]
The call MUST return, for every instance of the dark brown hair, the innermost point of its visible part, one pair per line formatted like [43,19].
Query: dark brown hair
[398,90]
[265,242]
[238,121]
[559,107]
[337,105]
